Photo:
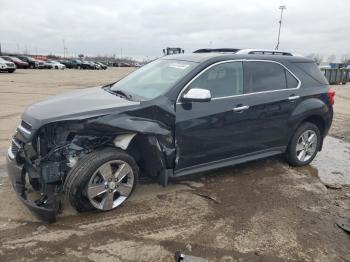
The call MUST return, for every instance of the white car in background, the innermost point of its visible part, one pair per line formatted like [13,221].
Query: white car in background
[6,66]
[55,64]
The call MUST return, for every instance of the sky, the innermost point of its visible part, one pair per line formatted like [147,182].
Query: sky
[144,28]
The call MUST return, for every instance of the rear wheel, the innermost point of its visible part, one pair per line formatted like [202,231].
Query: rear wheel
[102,180]
[304,145]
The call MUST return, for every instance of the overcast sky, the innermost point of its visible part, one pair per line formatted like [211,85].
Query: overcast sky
[144,28]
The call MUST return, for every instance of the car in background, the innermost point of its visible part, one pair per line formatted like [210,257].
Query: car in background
[33,63]
[77,63]
[70,63]
[47,65]
[85,65]
[102,65]
[6,66]
[18,62]
[89,65]
[124,64]
[95,65]
[55,64]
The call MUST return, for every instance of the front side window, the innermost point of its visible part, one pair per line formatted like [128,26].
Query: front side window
[264,76]
[225,79]
[154,79]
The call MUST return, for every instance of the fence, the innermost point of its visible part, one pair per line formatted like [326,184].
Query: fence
[337,76]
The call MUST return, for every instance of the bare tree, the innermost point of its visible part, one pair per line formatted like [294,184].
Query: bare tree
[316,57]
[345,58]
[331,58]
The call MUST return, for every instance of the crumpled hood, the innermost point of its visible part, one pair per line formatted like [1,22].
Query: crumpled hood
[78,104]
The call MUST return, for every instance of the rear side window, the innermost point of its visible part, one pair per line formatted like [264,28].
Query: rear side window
[292,82]
[312,70]
[225,79]
[264,76]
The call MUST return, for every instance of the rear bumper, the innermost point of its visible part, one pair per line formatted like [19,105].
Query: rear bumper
[45,212]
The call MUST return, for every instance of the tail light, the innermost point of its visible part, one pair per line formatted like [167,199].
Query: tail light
[331,95]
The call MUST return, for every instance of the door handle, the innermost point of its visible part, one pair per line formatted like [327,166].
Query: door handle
[293,97]
[240,108]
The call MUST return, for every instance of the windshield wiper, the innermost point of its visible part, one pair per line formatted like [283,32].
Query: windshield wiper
[120,93]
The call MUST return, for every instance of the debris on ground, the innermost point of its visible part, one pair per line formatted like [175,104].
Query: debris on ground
[208,196]
[333,186]
[189,247]
[41,228]
[344,223]
[185,258]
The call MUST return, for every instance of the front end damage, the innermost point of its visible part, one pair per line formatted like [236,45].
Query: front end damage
[39,159]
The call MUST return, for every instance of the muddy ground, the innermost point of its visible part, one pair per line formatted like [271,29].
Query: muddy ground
[259,211]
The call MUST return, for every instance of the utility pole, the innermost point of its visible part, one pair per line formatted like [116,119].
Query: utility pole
[64,48]
[282,8]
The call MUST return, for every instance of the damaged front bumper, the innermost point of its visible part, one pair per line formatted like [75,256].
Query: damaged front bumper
[43,210]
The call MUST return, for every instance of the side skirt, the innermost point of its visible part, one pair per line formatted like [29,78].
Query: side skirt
[229,161]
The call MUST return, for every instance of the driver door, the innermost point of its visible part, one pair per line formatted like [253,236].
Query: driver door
[212,131]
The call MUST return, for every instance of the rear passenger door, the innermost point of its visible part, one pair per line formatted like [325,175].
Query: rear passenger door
[271,92]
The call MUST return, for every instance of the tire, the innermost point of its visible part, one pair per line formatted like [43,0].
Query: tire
[300,154]
[79,180]
[11,70]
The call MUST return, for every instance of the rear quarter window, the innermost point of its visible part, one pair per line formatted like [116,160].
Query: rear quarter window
[313,71]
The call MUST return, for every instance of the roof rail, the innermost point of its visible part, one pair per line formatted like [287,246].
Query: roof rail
[245,51]
[263,52]
[217,50]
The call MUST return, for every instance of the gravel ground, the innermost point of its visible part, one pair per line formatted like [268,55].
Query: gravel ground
[258,211]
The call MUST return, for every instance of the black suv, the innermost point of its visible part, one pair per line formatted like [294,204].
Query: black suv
[178,115]
[33,63]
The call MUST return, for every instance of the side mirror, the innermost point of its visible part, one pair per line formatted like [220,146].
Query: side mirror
[197,95]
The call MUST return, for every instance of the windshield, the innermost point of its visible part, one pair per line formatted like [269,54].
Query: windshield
[15,59]
[154,79]
[3,60]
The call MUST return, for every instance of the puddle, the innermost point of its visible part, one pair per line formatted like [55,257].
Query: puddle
[332,164]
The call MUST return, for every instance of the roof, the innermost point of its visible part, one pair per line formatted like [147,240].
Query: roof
[203,57]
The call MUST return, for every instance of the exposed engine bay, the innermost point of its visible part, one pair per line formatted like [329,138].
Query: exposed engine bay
[43,151]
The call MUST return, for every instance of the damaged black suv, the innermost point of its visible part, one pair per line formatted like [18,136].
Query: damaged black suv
[178,115]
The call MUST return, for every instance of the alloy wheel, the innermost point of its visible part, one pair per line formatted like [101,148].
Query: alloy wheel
[306,145]
[110,185]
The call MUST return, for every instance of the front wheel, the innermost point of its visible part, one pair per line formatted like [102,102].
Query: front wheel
[101,180]
[304,145]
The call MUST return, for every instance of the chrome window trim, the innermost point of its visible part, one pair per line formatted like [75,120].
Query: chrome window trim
[240,60]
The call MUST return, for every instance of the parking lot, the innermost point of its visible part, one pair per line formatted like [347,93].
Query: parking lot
[259,211]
